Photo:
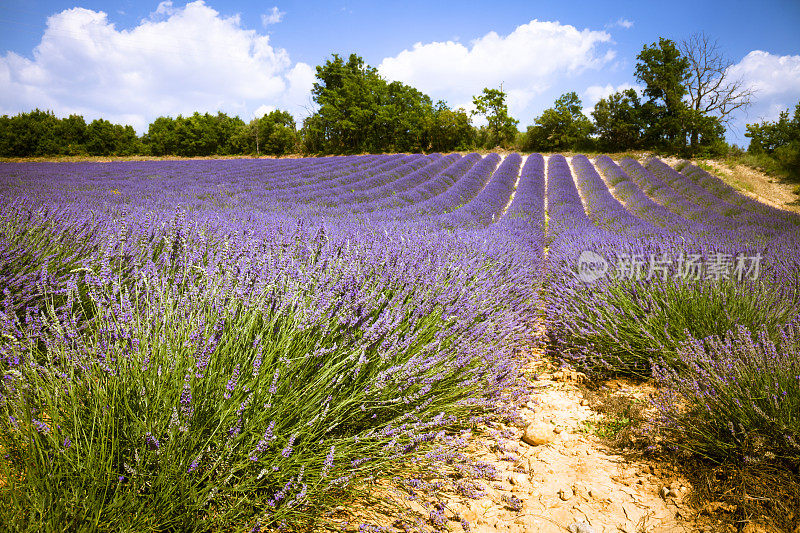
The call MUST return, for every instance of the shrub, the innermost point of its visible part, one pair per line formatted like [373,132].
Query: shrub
[619,326]
[209,386]
[736,397]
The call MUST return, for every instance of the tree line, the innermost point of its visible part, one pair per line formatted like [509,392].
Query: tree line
[687,99]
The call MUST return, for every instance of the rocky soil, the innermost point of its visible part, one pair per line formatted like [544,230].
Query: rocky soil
[553,473]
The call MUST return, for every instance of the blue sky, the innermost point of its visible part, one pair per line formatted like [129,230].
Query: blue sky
[133,61]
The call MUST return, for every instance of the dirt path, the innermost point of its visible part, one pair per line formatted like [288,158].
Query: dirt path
[756,185]
[551,474]
[569,480]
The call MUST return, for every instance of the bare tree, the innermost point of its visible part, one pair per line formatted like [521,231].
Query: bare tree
[710,87]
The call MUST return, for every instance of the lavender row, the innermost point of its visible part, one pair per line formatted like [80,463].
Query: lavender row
[637,201]
[658,189]
[452,196]
[564,205]
[786,220]
[488,204]
[527,206]
[605,210]
[690,190]
[399,206]
[349,181]
[392,184]
[357,190]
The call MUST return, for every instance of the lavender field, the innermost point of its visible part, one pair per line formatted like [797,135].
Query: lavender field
[237,344]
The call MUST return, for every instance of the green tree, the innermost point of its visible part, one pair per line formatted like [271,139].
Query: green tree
[100,137]
[161,137]
[767,136]
[664,71]
[502,129]
[779,140]
[450,129]
[562,127]
[672,124]
[126,142]
[30,134]
[401,123]
[348,97]
[277,133]
[196,135]
[360,112]
[104,138]
[618,121]
[227,130]
[71,132]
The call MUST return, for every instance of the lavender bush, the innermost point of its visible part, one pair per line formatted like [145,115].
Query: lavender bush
[737,399]
[643,307]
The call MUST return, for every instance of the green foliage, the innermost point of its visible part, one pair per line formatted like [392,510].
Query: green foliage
[196,135]
[104,138]
[277,133]
[29,134]
[502,129]
[777,143]
[664,71]
[72,133]
[670,124]
[625,324]
[361,112]
[562,127]
[149,437]
[41,133]
[450,129]
[737,399]
[618,121]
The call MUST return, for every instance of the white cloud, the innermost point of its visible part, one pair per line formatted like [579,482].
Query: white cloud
[263,110]
[594,93]
[178,60]
[273,17]
[527,62]
[776,82]
[624,23]
[769,74]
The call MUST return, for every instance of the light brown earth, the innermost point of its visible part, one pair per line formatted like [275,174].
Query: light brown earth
[756,184]
[571,481]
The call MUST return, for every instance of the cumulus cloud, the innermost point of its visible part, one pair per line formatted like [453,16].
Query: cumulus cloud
[624,23]
[776,82]
[273,17]
[178,60]
[769,74]
[527,62]
[594,93]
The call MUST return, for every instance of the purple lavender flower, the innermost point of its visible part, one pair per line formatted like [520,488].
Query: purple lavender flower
[41,427]
[152,442]
[263,444]
[229,388]
[287,451]
[326,468]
